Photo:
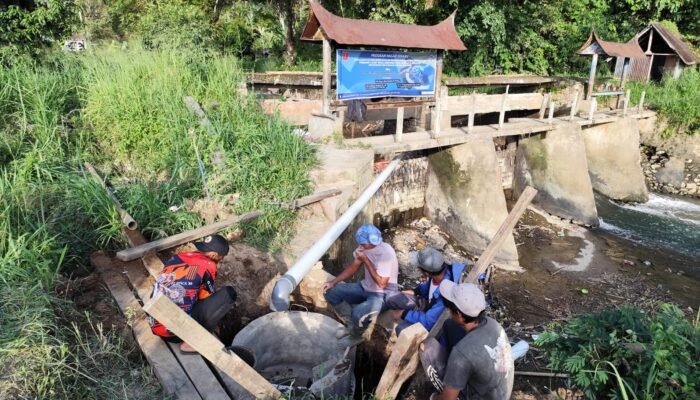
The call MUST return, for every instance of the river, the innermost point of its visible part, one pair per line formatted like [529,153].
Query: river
[667,224]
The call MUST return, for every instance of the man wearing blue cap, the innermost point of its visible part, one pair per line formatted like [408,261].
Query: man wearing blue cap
[366,297]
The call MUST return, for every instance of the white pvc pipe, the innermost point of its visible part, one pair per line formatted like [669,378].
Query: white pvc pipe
[279,300]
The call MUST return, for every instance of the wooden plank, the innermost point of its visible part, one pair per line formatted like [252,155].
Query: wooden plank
[399,124]
[552,107]
[313,198]
[202,377]
[184,237]
[574,106]
[641,102]
[490,103]
[166,368]
[543,105]
[472,113]
[502,113]
[251,384]
[499,80]
[626,103]
[591,110]
[402,363]
[504,230]
[491,250]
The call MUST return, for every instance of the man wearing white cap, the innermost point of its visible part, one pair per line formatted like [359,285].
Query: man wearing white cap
[481,364]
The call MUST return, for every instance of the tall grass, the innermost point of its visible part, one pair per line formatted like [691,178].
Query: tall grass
[677,100]
[122,109]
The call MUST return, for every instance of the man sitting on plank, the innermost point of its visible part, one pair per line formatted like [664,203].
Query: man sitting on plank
[188,280]
[424,303]
[367,296]
[480,365]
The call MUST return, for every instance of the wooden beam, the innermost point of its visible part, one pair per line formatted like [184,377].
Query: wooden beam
[313,198]
[127,219]
[326,76]
[491,250]
[402,363]
[502,113]
[439,98]
[487,103]
[166,368]
[626,104]
[592,108]
[641,102]
[399,124]
[472,112]
[591,76]
[543,106]
[552,106]
[625,72]
[252,385]
[184,237]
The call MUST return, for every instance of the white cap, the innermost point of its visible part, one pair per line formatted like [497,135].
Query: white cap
[466,296]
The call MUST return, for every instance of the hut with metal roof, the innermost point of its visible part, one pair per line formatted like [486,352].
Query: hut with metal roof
[665,53]
[332,30]
[594,46]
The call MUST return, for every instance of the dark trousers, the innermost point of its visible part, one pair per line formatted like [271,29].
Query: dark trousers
[208,312]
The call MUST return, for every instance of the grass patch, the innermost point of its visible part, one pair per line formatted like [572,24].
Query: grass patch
[677,100]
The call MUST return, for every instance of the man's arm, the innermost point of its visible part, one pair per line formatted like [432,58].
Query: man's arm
[448,393]
[381,281]
[345,274]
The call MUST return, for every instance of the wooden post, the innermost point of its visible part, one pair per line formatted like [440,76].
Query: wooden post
[184,237]
[325,109]
[494,245]
[627,102]
[625,71]
[592,108]
[641,102]
[574,106]
[252,385]
[399,124]
[550,119]
[472,112]
[437,121]
[545,102]
[402,363]
[502,114]
[677,69]
[651,62]
[591,76]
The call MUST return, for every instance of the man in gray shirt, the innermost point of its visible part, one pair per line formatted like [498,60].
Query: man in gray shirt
[480,365]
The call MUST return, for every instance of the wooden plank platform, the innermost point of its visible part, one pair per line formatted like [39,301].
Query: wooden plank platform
[169,372]
[387,144]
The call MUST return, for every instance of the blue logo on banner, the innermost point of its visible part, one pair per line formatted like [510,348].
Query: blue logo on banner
[367,74]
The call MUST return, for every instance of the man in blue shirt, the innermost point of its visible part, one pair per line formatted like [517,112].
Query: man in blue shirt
[424,304]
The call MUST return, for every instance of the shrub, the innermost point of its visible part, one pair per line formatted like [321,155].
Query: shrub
[677,100]
[653,356]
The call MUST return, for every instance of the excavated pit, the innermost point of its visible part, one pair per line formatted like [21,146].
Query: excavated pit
[297,352]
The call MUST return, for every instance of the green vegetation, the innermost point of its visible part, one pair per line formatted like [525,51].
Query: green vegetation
[678,100]
[626,353]
[123,111]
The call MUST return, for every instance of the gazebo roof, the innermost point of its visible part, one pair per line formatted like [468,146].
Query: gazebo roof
[359,32]
[678,45]
[595,45]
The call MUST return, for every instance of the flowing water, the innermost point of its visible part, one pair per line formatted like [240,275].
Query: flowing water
[665,223]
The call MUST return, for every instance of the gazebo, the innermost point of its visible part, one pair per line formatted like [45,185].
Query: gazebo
[331,29]
[594,46]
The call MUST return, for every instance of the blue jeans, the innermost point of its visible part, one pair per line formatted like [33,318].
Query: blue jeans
[366,305]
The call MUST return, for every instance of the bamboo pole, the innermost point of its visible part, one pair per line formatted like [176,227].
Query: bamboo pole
[127,219]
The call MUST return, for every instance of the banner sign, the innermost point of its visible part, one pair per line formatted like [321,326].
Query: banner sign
[364,74]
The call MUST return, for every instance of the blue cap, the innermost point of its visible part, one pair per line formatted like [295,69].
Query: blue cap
[368,233]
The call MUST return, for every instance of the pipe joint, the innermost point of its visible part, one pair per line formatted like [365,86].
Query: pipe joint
[279,301]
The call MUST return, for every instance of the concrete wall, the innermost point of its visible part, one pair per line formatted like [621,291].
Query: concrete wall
[612,152]
[465,197]
[404,190]
[555,164]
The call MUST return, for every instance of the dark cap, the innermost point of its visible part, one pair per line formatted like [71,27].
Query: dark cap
[428,259]
[215,243]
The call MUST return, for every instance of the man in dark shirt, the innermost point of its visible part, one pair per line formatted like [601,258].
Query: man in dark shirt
[480,365]
[188,280]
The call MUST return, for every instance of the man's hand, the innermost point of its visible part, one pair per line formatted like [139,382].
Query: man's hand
[360,255]
[409,291]
[327,286]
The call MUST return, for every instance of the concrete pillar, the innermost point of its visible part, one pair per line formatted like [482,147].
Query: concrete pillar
[465,197]
[556,166]
[612,152]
